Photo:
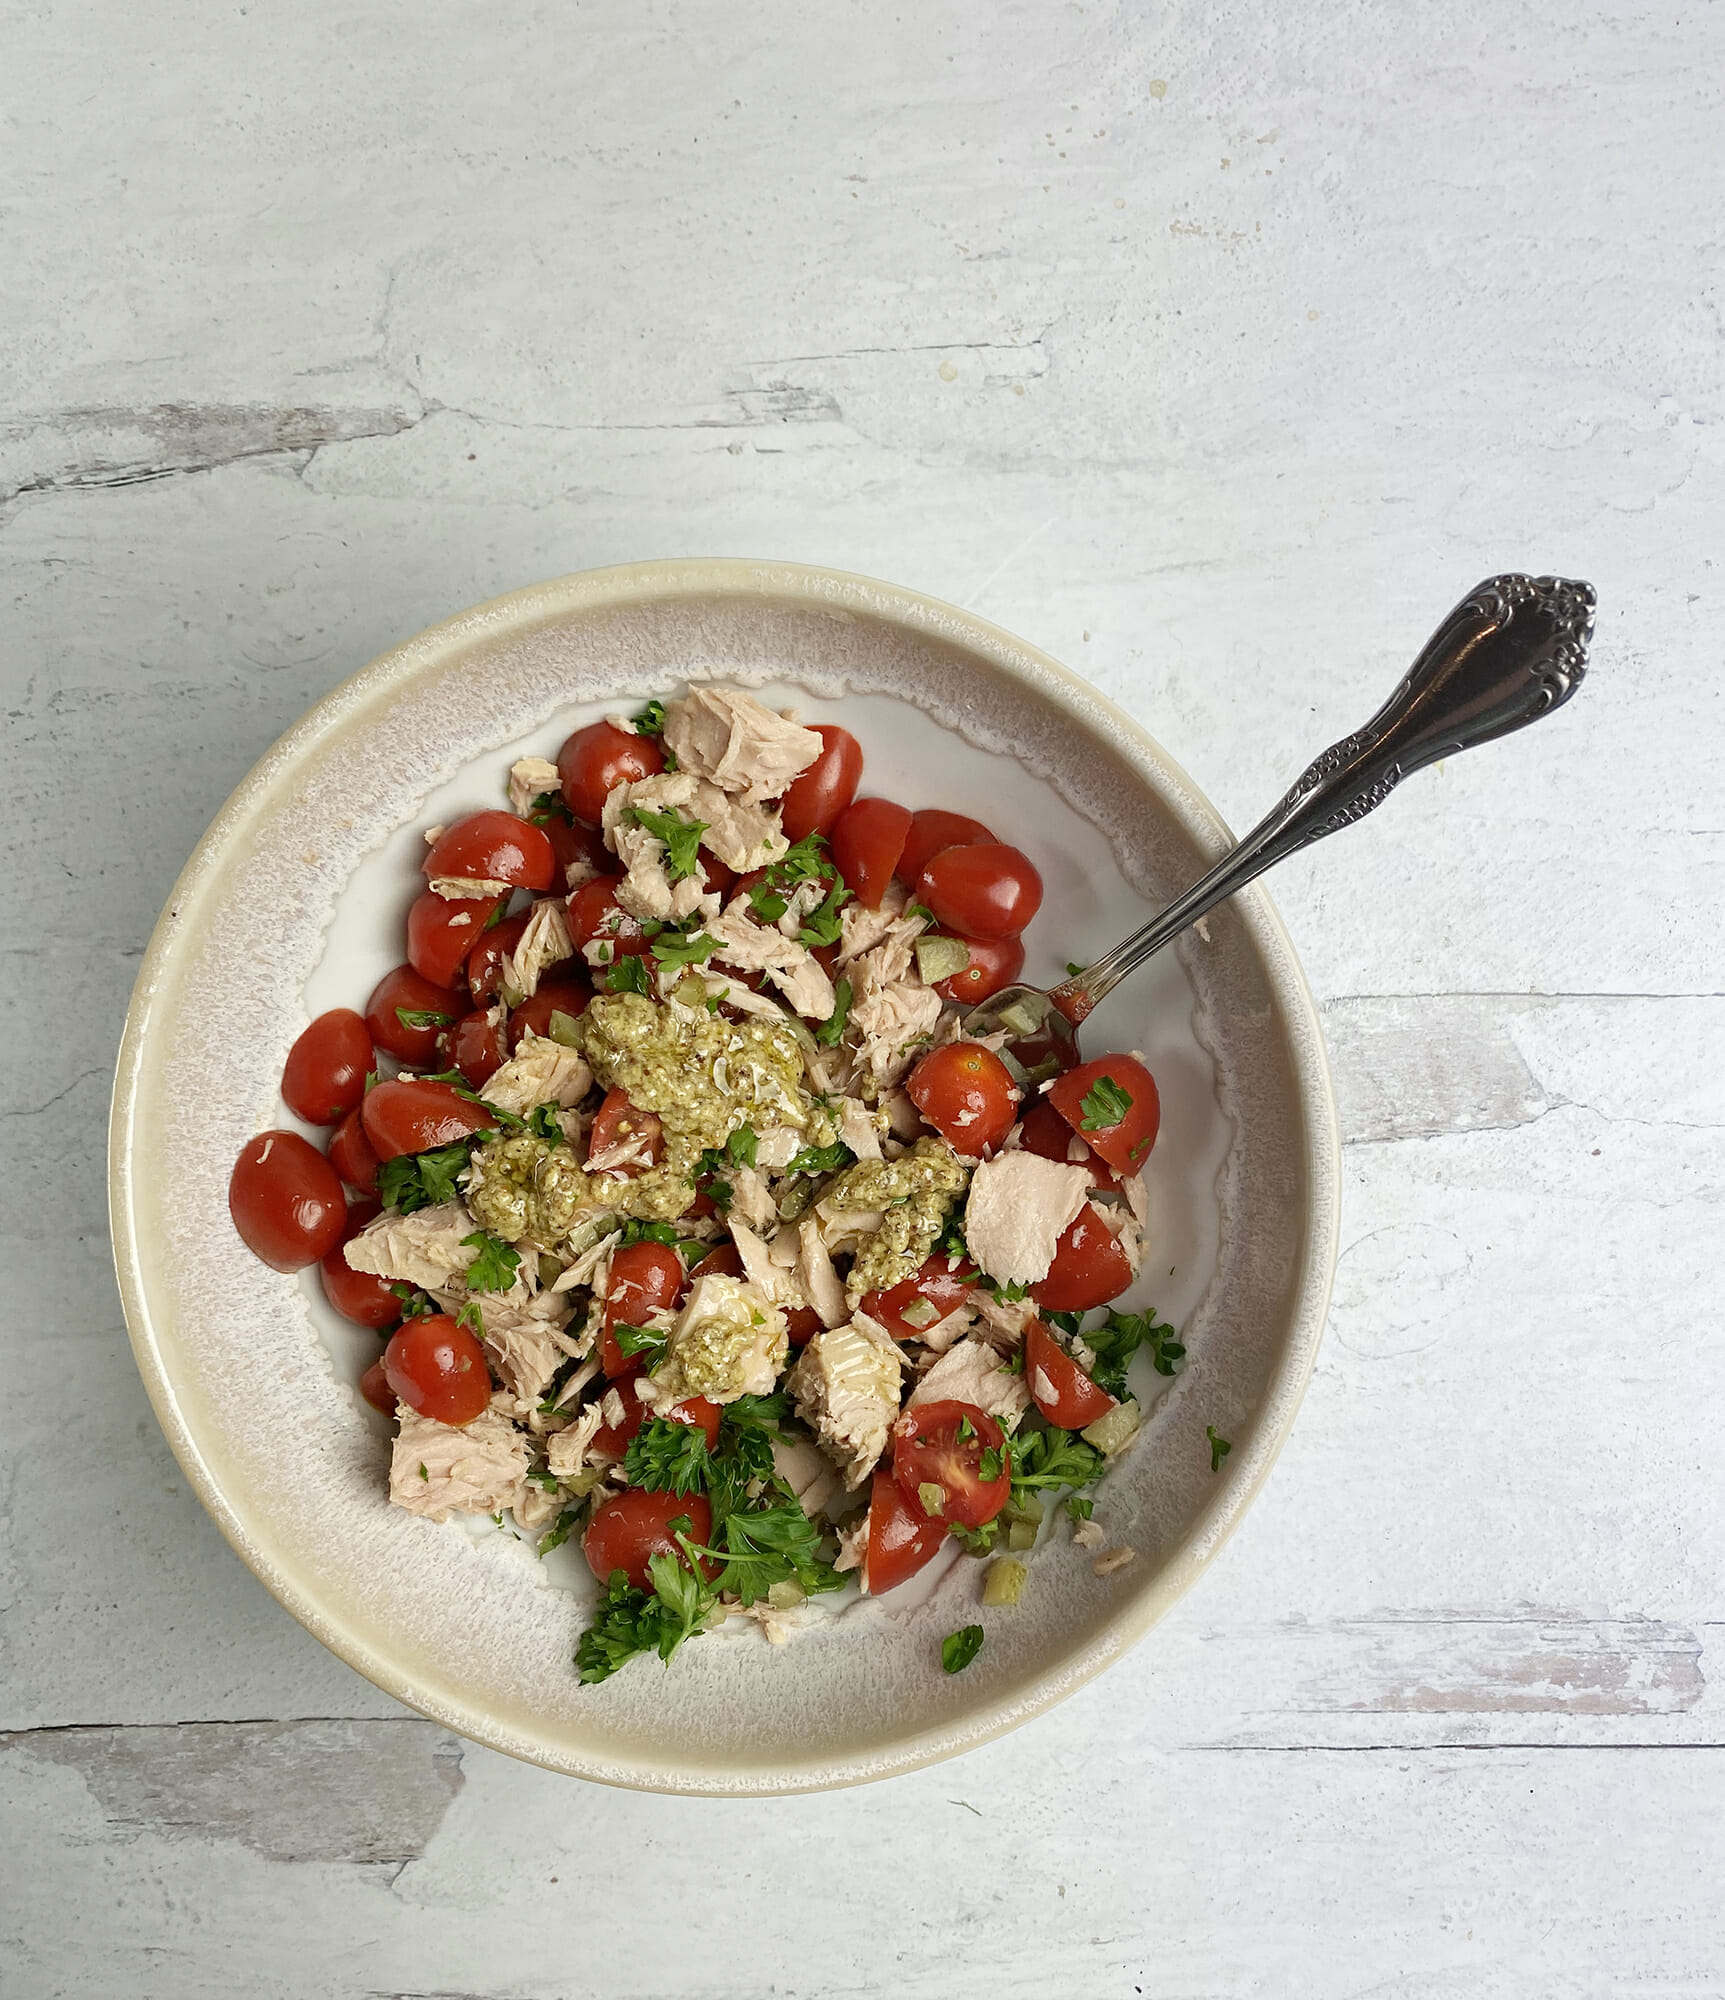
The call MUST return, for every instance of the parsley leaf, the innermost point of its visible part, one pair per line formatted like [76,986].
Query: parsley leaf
[634,1621]
[546,806]
[959,1648]
[493,1266]
[422,1017]
[633,1340]
[635,1231]
[829,1031]
[1120,1336]
[821,1159]
[802,861]
[767,903]
[1072,971]
[421,1180]
[776,1543]
[651,720]
[682,838]
[673,948]
[560,1531]
[414,1303]
[543,1123]
[1104,1104]
[1053,1457]
[738,1151]
[628,975]
[1219,1447]
[822,926]
[668,1457]
[471,1318]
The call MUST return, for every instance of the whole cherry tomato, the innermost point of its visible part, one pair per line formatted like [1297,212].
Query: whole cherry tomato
[1090,1267]
[286,1200]
[407,1013]
[324,1076]
[415,1116]
[901,1537]
[823,791]
[618,1123]
[867,839]
[630,1527]
[994,963]
[987,891]
[966,1093]
[645,1278]
[933,829]
[594,912]
[1112,1105]
[802,1323]
[599,757]
[958,1448]
[559,992]
[374,1387]
[438,1369]
[352,1154]
[358,1295]
[493,847]
[473,1046]
[940,1287]
[442,931]
[1060,1389]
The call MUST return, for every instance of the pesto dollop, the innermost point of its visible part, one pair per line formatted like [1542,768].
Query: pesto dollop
[917,1190]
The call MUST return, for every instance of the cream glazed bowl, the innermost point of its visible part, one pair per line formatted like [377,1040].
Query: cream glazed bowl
[294,902]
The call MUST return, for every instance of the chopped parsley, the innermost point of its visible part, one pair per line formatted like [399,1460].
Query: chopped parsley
[1073,970]
[546,806]
[543,1123]
[470,1317]
[651,720]
[764,1545]
[829,1031]
[421,1180]
[668,1457]
[633,1340]
[676,948]
[822,926]
[494,1262]
[959,1648]
[628,974]
[821,1159]
[414,1303]
[560,1531]
[739,1150]
[1104,1104]
[1120,1336]
[682,838]
[634,1621]
[1219,1447]
[422,1017]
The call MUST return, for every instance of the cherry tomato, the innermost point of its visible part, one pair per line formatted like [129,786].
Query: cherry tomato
[486,955]
[823,791]
[942,1444]
[802,1323]
[933,829]
[1122,1118]
[618,1123]
[406,1014]
[324,1077]
[984,892]
[572,842]
[966,1093]
[437,1368]
[474,1047]
[1059,1388]
[994,963]
[943,1284]
[722,1261]
[286,1200]
[374,1387]
[631,1526]
[645,1277]
[594,912]
[598,757]
[493,847]
[413,1117]
[352,1154]
[558,993]
[1047,1134]
[901,1538]
[441,932]
[867,839]
[1090,1267]
[718,875]
[357,1295]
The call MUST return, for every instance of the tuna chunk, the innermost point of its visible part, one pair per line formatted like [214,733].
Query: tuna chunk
[971,1373]
[540,1072]
[807,1472]
[529,778]
[743,836]
[773,1279]
[438,1470]
[846,1386]
[1019,1205]
[728,1341]
[525,1348]
[791,966]
[858,1129]
[544,942]
[566,1452]
[725,735]
[423,1249]
[889,1016]
[820,1282]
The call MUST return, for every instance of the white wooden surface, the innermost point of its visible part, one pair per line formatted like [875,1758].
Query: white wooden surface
[1217,348]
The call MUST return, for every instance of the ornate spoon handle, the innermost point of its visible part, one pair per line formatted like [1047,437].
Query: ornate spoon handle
[1513,650]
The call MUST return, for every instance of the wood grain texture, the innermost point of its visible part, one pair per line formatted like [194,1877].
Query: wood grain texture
[1217,351]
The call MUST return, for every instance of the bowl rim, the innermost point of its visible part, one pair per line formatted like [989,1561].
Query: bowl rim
[800,586]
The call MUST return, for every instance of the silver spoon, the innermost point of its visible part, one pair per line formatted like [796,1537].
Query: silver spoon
[1514,649]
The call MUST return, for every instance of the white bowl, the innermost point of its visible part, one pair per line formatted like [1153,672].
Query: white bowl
[293,902]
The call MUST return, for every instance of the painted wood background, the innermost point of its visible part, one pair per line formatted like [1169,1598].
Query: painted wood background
[1217,348]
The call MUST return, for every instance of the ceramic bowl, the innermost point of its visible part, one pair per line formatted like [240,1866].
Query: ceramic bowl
[293,902]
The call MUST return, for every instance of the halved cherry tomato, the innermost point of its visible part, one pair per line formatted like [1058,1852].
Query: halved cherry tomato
[942,1284]
[493,847]
[324,1076]
[560,992]
[357,1295]
[901,1538]
[442,932]
[630,1527]
[1090,1267]
[598,757]
[414,1116]
[618,1123]
[286,1200]
[612,1440]
[594,912]
[823,791]
[933,829]
[994,963]
[473,1046]
[718,875]
[645,1277]
[1059,1388]
[988,891]
[722,1261]
[490,948]
[802,1323]
[572,842]
[942,1444]
[867,839]
[374,1387]
[967,1094]
[1047,1133]
[1121,1120]
[406,1013]
[352,1154]
[437,1368]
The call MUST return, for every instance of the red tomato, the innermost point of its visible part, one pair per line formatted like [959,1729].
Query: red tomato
[933,829]
[286,1200]
[474,1047]
[493,847]
[1047,1134]
[644,1278]
[572,842]
[943,1283]
[718,875]
[557,993]
[324,1077]
[352,1154]
[357,1295]
[1122,1136]
[374,1387]
[438,1368]
[618,1123]
[867,839]
[441,932]
[1059,1388]
[1090,1267]
[823,791]
[594,912]
[802,1323]
[966,1093]
[413,1117]
[994,963]
[485,958]
[722,1261]
[941,1444]
[631,1526]
[984,892]
[406,1014]
[598,757]
[901,1538]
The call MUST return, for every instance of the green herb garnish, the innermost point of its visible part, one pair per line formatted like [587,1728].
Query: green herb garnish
[959,1648]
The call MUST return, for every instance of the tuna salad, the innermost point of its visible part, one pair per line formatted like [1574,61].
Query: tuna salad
[698,1231]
